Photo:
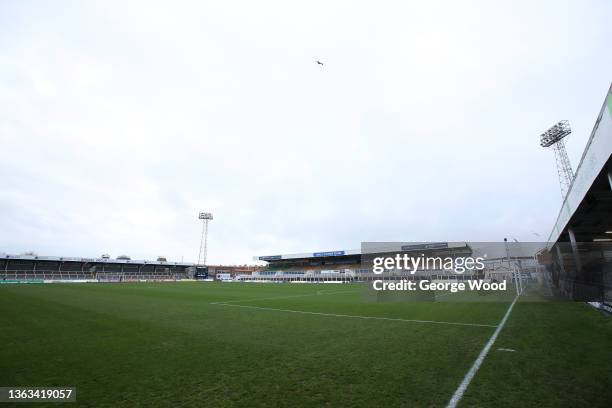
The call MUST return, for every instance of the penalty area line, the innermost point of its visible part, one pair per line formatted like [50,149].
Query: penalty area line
[393,319]
[483,353]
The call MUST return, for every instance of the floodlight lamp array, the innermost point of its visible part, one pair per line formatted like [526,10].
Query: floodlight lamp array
[555,133]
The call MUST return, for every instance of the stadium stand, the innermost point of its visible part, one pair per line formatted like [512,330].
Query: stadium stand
[33,268]
[580,244]
[354,265]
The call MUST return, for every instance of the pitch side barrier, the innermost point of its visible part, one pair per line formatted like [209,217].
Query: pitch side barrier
[21,276]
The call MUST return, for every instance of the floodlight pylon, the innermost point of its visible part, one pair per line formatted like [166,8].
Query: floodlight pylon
[554,137]
[205,217]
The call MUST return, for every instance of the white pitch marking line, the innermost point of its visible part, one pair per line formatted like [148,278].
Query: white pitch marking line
[317,293]
[506,349]
[483,353]
[393,319]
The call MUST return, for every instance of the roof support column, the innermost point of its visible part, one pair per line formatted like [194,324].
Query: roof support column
[575,250]
[560,259]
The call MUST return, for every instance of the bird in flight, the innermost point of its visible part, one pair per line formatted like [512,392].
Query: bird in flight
[319,62]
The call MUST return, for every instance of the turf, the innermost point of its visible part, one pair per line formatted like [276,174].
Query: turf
[227,344]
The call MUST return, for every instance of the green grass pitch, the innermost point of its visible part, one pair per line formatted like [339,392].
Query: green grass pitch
[294,345]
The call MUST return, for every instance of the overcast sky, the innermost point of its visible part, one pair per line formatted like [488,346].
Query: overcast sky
[119,121]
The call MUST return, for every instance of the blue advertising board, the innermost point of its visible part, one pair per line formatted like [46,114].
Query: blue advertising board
[330,253]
